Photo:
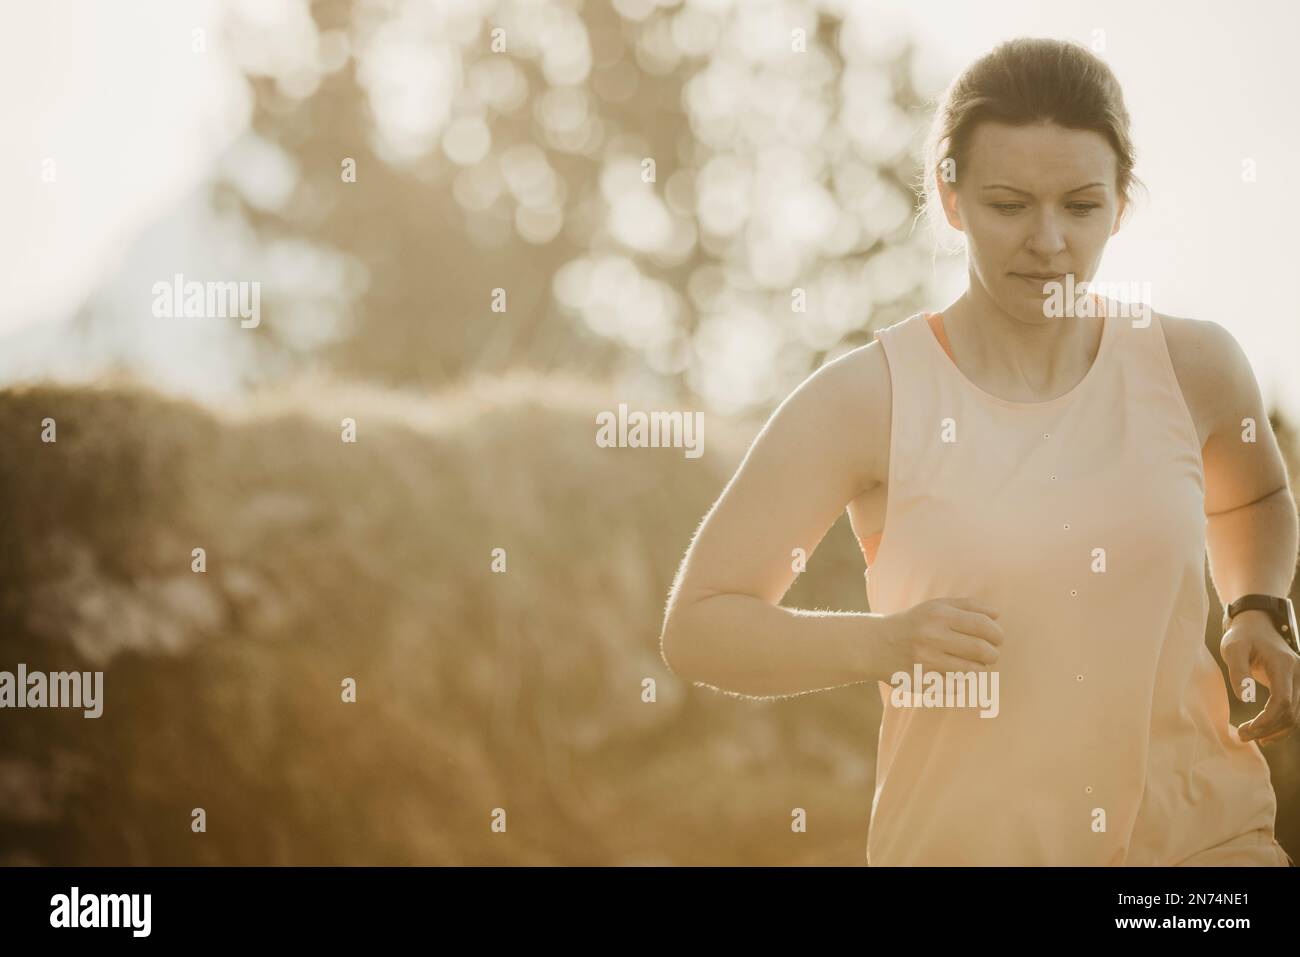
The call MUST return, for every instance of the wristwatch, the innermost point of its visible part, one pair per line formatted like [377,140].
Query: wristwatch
[1281,610]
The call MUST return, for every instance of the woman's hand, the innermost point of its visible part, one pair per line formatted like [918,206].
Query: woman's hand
[1252,648]
[942,634]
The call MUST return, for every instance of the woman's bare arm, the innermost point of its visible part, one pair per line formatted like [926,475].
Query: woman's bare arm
[1251,528]
[822,447]
[1251,523]
[1250,514]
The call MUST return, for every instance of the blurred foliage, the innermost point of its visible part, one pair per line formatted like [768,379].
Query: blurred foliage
[522,169]
[475,690]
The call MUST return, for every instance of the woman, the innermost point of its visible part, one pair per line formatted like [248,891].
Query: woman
[1034,496]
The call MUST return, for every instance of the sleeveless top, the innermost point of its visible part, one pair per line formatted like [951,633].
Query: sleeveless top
[1081,520]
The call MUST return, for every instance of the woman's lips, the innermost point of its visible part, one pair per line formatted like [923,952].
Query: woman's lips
[1039,283]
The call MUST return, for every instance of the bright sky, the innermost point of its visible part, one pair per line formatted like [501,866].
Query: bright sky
[133,118]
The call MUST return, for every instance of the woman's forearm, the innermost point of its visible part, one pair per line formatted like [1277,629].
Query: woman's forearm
[1253,548]
[744,645]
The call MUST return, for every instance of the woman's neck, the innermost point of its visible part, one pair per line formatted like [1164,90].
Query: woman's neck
[1021,360]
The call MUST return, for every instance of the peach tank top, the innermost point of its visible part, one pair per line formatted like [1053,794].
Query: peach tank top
[1081,519]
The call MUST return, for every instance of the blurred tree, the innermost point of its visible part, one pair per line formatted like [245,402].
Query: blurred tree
[506,146]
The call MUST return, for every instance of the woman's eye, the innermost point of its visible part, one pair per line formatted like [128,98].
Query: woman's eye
[1080,209]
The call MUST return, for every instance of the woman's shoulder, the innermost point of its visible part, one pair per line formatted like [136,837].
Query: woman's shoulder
[861,378]
[1212,370]
[861,375]
[847,400]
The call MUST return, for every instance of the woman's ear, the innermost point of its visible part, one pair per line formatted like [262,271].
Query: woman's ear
[948,198]
[1119,216]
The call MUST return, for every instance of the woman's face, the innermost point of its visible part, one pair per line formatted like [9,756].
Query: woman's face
[1033,199]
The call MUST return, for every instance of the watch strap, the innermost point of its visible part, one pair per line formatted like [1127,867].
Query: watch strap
[1280,610]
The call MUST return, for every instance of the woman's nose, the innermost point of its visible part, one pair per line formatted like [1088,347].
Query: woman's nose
[1047,238]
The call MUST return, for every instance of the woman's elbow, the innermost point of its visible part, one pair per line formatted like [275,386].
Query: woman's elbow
[676,642]
[670,645]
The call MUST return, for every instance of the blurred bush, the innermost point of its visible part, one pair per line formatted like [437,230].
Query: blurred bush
[328,560]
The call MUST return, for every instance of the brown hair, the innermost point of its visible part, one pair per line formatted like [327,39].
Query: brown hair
[1024,81]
